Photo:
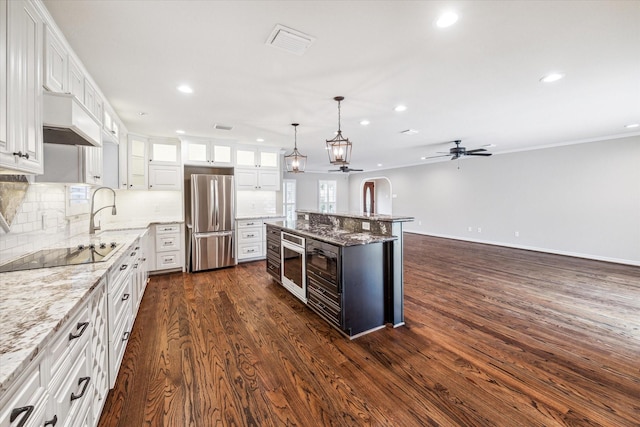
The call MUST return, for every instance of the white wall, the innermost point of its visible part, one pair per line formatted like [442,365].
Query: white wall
[581,200]
[307,189]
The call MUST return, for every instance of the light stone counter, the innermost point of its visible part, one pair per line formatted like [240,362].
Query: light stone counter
[34,304]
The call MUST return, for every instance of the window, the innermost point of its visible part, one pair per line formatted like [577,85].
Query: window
[289,198]
[327,196]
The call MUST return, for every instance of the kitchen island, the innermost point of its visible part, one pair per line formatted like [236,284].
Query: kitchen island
[351,274]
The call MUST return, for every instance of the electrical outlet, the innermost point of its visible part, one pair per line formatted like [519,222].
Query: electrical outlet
[470,229]
[366,225]
[419,222]
[479,230]
[306,217]
[517,233]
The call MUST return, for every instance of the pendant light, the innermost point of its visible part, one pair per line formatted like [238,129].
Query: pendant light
[339,148]
[295,161]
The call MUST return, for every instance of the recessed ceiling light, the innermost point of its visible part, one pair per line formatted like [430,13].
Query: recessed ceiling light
[633,125]
[142,113]
[379,164]
[409,132]
[400,108]
[260,140]
[185,89]
[180,131]
[364,122]
[447,19]
[551,77]
[423,158]
[489,145]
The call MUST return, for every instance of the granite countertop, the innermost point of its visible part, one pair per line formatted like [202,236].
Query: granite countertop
[361,215]
[329,234]
[35,303]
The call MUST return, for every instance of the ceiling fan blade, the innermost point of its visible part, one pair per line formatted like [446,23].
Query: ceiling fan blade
[443,155]
[478,154]
[477,150]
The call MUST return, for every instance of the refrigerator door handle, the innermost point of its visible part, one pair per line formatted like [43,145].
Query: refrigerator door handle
[217,204]
[212,234]
[212,201]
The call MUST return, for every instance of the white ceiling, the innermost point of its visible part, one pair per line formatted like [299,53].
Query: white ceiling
[477,81]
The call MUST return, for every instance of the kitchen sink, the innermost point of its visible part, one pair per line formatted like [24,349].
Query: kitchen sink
[57,257]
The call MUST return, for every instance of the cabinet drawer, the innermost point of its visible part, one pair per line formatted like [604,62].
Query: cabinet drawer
[250,250]
[322,282]
[273,247]
[244,223]
[75,391]
[251,234]
[118,346]
[273,268]
[325,291]
[71,338]
[27,402]
[120,305]
[273,233]
[168,260]
[167,242]
[167,228]
[121,269]
[324,308]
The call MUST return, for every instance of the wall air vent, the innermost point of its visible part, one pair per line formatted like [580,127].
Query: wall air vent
[222,127]
[289,40]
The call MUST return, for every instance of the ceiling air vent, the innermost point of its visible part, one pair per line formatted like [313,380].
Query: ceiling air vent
[409,132]
[290,40]
[222,127]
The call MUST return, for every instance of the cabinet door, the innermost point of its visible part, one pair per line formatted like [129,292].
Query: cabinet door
[246,158]
[269,180]
[164,152]
[164,177]
[89,96]
[99,348]
[221,154]
[93,165]
[196,152]
[269,159]
[55,63]
[3,79]
[246,179]
[76,80]
[137,163]
[23,148]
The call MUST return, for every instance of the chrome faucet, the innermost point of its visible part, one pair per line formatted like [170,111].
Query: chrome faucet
[92,226]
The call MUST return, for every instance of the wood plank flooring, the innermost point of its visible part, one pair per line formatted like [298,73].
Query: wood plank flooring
[493,337]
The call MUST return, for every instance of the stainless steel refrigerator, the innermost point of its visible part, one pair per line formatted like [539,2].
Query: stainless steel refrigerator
[212,217]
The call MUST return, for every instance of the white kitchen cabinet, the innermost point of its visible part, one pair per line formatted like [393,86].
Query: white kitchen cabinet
[257,179]
[93,165]
[140,273]
[165,177]
[168,247]
[257,158]
[3,78]
[25,402]
[72,164]
[21,148]
[207,152]
[249,236]
[75,78]
[164,151]
[137,162]
[56,76]
[99,349]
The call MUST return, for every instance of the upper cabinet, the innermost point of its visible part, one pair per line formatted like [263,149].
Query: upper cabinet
[153,163]
[164,151]
[56,74]
[258,158]
[76,79]
[21,146]
[138,178]
[207,152]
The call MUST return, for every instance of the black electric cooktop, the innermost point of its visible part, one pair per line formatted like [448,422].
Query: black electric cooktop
[60,256]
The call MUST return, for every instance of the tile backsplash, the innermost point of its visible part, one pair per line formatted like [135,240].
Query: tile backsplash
[40,221]
[251,203]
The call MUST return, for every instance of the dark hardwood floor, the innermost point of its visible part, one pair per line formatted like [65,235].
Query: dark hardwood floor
[493,337]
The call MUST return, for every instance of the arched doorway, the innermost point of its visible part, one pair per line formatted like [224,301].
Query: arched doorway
[376,196]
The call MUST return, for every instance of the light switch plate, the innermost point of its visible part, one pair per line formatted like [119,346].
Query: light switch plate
[366,225]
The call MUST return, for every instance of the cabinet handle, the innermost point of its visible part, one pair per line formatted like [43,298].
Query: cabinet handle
[137,247]
[150,160]
[125,336]
[84,380]
[133,254]
[21,154]
[250,223]
[125,297]
[15,413]
[135,265]
[52,422]
[123,267]
[82,326]
[251,235]
[151,186]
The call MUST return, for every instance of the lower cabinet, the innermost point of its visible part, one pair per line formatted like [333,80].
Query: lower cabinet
[251,238]
[169,248]
[67,383]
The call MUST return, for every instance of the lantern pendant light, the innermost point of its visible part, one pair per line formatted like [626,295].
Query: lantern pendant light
[339,148]
[295,161]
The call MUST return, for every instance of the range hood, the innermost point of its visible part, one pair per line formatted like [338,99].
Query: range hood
[66,121]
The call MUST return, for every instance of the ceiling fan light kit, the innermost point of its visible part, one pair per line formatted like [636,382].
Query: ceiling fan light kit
[339,148]
[296,162]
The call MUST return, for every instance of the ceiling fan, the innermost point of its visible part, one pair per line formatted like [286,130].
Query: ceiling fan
[346,169]
[458,151]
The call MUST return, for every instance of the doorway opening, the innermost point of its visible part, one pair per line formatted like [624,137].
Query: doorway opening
[376,196]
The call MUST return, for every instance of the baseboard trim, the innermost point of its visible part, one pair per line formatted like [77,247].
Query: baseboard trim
[534,248]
